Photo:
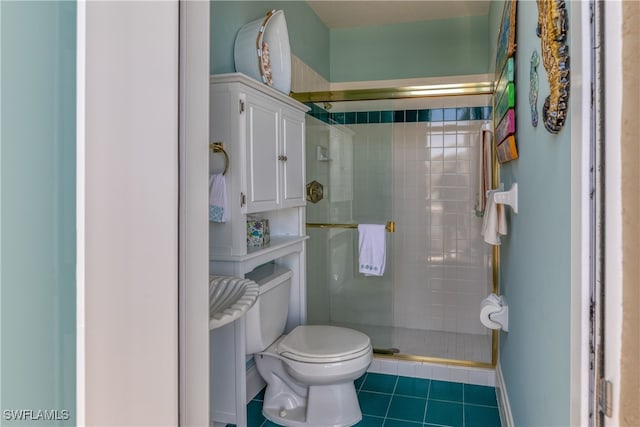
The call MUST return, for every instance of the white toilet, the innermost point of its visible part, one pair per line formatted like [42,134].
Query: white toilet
[310,371]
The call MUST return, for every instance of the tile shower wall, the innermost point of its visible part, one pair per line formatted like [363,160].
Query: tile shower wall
[305,79]
[414,162]
[441,267]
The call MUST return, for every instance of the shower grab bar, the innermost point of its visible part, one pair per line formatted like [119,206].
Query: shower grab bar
[390,226]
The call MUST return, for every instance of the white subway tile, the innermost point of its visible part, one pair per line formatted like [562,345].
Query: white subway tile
[407,368]
[440,372]
[458,375]
[424,370]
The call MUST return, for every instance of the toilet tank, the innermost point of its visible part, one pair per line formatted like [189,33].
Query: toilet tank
[267,318]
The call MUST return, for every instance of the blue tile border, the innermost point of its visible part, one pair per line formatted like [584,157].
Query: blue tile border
[401,116]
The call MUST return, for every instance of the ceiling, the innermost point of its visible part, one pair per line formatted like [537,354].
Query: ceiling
[361,13]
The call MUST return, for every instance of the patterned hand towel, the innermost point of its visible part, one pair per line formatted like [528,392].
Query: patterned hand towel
[218,211]
[373,253]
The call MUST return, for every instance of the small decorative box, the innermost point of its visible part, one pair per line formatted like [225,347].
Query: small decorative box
[257,232]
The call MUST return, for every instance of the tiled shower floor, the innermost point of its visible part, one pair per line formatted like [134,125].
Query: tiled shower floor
[395,401]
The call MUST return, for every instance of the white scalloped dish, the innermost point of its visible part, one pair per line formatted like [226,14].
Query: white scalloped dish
[230,298]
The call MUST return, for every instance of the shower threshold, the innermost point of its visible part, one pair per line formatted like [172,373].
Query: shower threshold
[405,342]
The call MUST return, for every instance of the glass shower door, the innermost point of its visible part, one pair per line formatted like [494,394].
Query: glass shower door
[415,162]
[354,170]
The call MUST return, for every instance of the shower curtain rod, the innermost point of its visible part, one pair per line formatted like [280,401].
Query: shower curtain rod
[455,89]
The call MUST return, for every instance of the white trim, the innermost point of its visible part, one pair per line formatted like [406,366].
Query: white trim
[80,414]
[613,199]
[580,111]
[506,417]
[193,138]
[255,383]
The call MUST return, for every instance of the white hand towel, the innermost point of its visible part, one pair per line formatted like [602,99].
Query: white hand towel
[218,211]
[372,247]
[494,221]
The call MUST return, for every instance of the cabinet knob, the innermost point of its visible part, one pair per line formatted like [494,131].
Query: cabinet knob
[282,157]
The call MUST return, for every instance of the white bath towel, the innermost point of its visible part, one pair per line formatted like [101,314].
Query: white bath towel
[218,209]
[372,247]
[494,222]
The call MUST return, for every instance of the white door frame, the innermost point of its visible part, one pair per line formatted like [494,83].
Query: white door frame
[128,207]
[613,203]
[194,224]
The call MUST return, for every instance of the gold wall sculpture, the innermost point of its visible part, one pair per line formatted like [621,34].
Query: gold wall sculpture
[553,30]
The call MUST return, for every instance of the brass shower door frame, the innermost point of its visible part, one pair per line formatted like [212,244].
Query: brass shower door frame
[428,91]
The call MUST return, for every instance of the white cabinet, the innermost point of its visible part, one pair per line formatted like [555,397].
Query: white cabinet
[263,134]
[275,154]
[270,138]
[262,130]
[263,148]
[292,165]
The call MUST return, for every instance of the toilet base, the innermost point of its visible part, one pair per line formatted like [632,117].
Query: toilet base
[333,405]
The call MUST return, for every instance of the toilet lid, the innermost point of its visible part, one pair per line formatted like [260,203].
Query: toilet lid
[324,344]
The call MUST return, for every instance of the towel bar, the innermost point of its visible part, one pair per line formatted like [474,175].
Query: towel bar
[390,226]
[217,147]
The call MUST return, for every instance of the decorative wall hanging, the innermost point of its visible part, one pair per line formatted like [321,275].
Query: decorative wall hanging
[504,96]
[552,30]
[533,87]
[507,35]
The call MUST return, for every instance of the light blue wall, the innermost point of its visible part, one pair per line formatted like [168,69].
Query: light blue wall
[37,209]
[308,36]
[423,49]
[535,257]
[420,49]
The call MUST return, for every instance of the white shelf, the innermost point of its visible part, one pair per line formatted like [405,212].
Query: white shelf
[278,247]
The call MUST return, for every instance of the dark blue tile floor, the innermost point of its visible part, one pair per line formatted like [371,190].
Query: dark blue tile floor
[393,401]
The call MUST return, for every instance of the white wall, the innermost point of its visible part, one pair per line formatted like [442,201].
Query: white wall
[128,213]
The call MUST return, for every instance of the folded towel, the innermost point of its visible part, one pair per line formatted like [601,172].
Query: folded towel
[485,167]
[218,211]
[372,247]
[494,222]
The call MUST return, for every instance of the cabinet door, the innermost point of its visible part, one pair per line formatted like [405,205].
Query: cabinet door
[263,192]
[293,160]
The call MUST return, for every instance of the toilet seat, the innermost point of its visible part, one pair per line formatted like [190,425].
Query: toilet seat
[323,344]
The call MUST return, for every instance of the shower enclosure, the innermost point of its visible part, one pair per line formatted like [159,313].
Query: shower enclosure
[412,161]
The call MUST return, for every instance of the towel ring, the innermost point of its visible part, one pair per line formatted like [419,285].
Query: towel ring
[217,147]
